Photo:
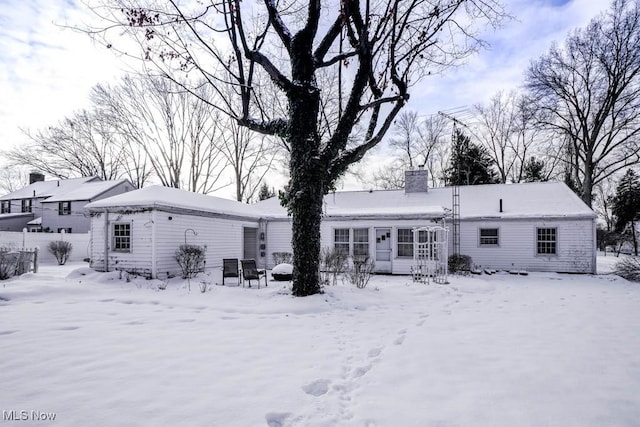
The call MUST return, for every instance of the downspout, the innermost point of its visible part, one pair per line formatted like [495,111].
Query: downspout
[594,259]
[154,264]
[106,240]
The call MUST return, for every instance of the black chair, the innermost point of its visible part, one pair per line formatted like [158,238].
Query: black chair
[230,269]
[250,272]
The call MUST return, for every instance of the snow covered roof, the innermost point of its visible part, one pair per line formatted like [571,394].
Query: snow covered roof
[538,199]
[44,189]
[164,197]
[37,221]
[530,200]
[86,191]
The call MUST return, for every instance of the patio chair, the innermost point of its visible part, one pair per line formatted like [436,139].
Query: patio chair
[250,272]
[230,269]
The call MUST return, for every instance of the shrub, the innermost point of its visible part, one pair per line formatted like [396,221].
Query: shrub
[282,257]
[360,273]
[629,268]
[61,250]
[190,259]
[332,263]
[459,263]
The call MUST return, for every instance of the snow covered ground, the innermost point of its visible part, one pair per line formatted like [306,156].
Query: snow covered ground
[502,350]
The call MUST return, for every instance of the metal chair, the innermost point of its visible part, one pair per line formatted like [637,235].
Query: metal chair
[230,269]
[250,272]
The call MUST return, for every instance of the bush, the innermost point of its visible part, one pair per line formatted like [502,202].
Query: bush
[190,259]
[360,273]
[332,263]
[460,263]
[282,257]
[61,250]
[629,268]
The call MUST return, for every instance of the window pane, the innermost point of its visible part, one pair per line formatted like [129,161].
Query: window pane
[341,240]
[489,236]
[405,242]
[546,241]
[361,242]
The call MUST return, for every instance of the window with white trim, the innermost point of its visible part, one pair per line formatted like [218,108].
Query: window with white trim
[405,243]
[489,237]
[546,240]
[122,237]
[360,242]
[341,240]
[5,206]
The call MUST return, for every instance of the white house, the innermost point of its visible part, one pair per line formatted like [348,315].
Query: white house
[55,205]
[533,226]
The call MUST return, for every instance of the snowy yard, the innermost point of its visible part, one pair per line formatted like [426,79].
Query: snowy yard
[502,350]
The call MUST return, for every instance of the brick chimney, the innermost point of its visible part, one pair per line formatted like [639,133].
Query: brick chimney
[35,177]
[416,181]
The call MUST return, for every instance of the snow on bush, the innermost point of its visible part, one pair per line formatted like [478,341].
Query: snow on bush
[190,259]
[61,250]
[629,268]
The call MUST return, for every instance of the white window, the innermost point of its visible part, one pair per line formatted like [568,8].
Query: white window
[546,241]
[489,237]
[122,237]
[341,240]
[405,242]
[360,242]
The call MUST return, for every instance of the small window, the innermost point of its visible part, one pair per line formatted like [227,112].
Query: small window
[547,240]
[341,240]
[6,206]
[489,237]
[64,208]
[361,242]
[66,230]
[26,205]
[122,237]
[405,242]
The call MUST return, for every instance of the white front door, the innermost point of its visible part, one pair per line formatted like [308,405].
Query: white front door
[383,250]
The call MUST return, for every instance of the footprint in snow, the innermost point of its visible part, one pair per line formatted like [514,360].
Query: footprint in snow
[317,388]
[358,372]
[276,419]
[7,332]
[375,352]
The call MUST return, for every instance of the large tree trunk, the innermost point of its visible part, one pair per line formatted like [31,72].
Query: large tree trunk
[307,183]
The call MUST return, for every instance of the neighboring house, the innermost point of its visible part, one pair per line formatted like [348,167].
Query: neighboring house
[55,205]
[533,226]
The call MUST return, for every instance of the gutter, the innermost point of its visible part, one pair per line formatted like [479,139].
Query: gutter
[106,240]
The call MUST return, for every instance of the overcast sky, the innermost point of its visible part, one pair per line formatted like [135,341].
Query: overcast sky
[46,71]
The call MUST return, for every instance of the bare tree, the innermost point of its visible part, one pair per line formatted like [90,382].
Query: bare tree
[506,126]
[169,128]
[421,141]
[388,45]
[13,178]
[588,91]
[82,145]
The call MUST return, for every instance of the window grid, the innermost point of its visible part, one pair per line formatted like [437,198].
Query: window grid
[122,237]
[361,242]
[6,207]
[489,237]
[405,242]
[546,241]
[341,240]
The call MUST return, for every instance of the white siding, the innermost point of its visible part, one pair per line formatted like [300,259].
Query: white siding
[221,237]
[517,245]
[517,249]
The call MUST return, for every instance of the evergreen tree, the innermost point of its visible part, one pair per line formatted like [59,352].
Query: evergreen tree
[470,163]
[626,205]
[533,170]
[266,192]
